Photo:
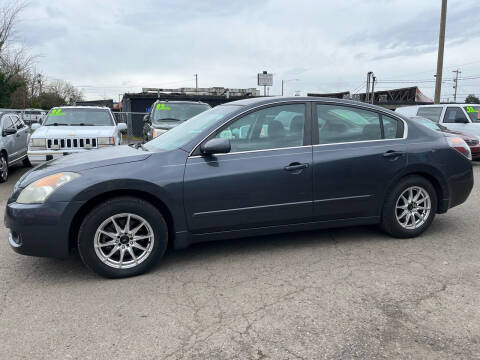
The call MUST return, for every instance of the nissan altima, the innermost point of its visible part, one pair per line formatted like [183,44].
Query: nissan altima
[245,168]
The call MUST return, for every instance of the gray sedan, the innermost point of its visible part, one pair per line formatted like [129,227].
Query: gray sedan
[13,143]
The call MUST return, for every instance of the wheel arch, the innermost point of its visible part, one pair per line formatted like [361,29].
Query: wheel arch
[434,176]
[102,197]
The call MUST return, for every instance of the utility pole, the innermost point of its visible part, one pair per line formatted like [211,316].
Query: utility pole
[196,82]
[456,84]
[374,78]
[441,46]
[367,92]
[282,87]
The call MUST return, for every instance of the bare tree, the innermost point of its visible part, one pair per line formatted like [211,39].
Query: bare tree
[9,14]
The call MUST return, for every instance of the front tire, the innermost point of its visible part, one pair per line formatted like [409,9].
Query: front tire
[122,237]
[409,207]
[3,168]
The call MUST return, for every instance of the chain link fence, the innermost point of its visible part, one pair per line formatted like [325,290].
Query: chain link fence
[135,123]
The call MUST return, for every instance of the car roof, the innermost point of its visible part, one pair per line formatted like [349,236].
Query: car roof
[182,101]
[253,102]
[81,107]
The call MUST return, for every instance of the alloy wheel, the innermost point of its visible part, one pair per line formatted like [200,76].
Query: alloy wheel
[3,168]
[124,240]
[413,207]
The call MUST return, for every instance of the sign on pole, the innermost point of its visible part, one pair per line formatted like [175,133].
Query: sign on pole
[265,79]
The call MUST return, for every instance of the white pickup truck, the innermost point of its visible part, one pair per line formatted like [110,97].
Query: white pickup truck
[458,117]
[71,129]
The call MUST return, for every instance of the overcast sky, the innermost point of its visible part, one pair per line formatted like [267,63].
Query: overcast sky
[108,47]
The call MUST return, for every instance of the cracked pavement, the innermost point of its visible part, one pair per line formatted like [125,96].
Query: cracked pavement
[351,293]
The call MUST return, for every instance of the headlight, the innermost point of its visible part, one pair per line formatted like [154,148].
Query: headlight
[158,132]
[37,142]
[38,191]
[102,141]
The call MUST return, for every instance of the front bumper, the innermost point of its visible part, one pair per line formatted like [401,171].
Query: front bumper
[40,229]
[37,157]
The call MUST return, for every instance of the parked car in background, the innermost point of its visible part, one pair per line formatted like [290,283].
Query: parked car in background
[246,168]
[459,117]
[13,143]
[31,116]
[165,115]
[72,129]
[472,141]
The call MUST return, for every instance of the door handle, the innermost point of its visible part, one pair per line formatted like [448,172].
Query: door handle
[393,153]
[295,166]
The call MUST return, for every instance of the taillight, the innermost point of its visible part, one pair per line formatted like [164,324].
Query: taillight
[460,145]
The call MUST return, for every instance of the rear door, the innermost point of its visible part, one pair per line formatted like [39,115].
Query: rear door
[358,151]
[266,178]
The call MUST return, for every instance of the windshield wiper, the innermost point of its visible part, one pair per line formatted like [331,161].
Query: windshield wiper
[140,145]
[82,124]
[56,124]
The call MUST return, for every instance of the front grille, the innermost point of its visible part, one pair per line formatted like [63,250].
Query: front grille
[471,142]
[62,144]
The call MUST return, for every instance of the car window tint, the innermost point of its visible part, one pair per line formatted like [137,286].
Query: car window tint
[337,124]
[432,113]
[7,123]
[270,128]
[453,113]
[392,128]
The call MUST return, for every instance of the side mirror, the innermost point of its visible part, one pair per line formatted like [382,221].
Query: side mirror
[9,131]
[35,126]
[146,118]
[461,120]
[122,127]
[216,146]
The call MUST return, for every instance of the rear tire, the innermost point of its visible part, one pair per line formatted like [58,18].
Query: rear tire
[122,237]
[3,168]
[409,207]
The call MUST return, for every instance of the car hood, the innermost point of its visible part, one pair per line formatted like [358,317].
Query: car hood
[168,126]
[85,160]
[463,135]
[73,131]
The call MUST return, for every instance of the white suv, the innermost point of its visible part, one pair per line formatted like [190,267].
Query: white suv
[71,129]
[458,117]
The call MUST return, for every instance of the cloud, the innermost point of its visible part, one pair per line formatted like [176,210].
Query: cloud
[114,46]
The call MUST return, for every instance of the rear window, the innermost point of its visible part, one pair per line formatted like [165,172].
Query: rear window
[432,112]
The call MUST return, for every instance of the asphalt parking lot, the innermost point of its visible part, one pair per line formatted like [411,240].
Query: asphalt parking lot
[349,293]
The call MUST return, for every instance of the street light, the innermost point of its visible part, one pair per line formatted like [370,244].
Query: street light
[284,81]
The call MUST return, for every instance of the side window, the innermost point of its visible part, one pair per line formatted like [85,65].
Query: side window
[431,112]
[270,128]
[7,123]
[18,122]
[337,124]
[453,113]
[392,128]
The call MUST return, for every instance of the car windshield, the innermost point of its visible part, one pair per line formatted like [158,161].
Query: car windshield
[79,117]
[166,113]
[429,123]
[473,113]
[189,129]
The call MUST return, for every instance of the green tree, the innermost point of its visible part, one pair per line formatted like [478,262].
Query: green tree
[472,99]
[8,86]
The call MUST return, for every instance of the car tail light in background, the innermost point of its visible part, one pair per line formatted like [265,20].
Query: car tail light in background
[460,145]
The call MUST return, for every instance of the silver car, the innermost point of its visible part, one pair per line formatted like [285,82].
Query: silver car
[13,143]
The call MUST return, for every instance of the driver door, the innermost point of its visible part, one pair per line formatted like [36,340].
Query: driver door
[9,140]
[265,180]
